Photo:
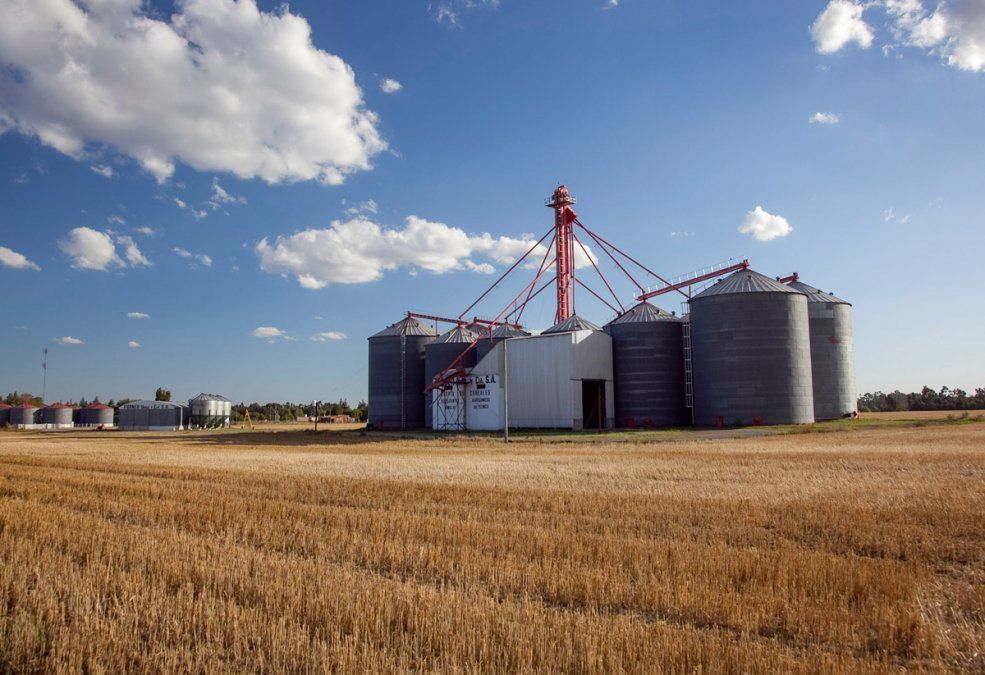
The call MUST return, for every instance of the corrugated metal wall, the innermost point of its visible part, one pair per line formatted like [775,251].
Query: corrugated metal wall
[648,368]
[832,360]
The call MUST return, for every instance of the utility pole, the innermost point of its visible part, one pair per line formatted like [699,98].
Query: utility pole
[44,374]
[316,415]
[506,393]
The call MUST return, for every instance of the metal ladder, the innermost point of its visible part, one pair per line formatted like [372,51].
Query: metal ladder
[688,376]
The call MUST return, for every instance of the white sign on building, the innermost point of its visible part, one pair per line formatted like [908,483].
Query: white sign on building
[484,411]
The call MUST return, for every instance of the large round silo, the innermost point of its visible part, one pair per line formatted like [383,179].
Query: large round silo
[441,353]
[4,414]
[832,353]
[750,353]
[489,340]
[96,415]
[396,375]
[25,415]
[648,368]
[57,415]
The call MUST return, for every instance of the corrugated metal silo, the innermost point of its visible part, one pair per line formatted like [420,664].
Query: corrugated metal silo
[396,375]
[832,353]
[648,367]
[25,415]
[96,415]
[4,414]
[209,411]
[57,415]
[487,342]
[750,351]
[441,353]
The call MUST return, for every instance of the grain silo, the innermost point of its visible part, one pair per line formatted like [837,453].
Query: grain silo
[440,354]
[4,414]
[502,332]
[396,375]
[96,415]
[57,416]
[152,416]
[832,353]
[209,411]
[648,367]
[750,351]
[25,416]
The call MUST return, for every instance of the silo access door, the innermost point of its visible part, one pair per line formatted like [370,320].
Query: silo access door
[593,404]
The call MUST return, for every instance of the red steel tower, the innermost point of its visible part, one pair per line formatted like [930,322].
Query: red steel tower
[564,216]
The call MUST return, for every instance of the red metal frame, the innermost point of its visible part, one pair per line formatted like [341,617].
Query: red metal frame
[687,283]
[787,280]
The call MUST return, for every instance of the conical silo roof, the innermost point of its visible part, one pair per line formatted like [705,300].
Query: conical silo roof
[817,295]
[643,313]
[572,323]
[744,281]
[406,326]
[458,334]
[508,331]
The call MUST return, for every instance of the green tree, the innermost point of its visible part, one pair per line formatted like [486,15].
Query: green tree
[162,394]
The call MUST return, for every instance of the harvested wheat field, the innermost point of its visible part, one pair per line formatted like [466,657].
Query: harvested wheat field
[861,550]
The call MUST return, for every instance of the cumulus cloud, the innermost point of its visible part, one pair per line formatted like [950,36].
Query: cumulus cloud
[764,226]
[952,30]
[102,170]
[133,344]
[220,196]
[841,24]
[200,258]
[15,260]
[90,249]
[359,250]
[67,340]
[219,85]
[270,334]
[825,118]
[390,86]
[328,335]
[137,315]
[132,252]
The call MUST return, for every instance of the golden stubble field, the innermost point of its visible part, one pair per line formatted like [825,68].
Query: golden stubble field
[281,551]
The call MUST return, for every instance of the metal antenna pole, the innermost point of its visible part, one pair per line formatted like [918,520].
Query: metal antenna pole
[44,374]
[506,393]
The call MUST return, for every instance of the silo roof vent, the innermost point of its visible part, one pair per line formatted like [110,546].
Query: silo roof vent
[572,323]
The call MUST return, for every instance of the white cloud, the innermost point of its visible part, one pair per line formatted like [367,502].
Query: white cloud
[146,231]
[841,24]
[132,252]
[137,315]
[449,11]
[68,341]
[90,249]
[199,214]
[219,85]
[953,30]
[198,257]
[15,260]
[270,334]
[102,170]
[764,226]
[889,216]
[368,206]
[220,196]
[390,86]
[329,335]
[133,344]
[611,4]
[825,118]
[115,220]
[181,204]
[359,250]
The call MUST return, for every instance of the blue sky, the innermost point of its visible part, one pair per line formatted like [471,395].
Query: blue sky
[670,121]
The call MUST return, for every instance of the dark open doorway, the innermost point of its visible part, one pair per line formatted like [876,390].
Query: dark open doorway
[593,403]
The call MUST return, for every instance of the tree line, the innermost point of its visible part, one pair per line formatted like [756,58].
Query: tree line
[925,399]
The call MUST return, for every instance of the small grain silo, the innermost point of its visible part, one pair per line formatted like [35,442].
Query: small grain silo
[57,416]
[396,375]
[96,415]
[648,367]
[488,340]
[209,411]
[442,353]
[25,416]
[750,351]
[832,353]
[4,414]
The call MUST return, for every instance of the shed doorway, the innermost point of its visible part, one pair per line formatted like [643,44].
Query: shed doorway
[593,404]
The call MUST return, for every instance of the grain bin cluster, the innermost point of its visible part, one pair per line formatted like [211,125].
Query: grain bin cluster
[205,411]
[751,350]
